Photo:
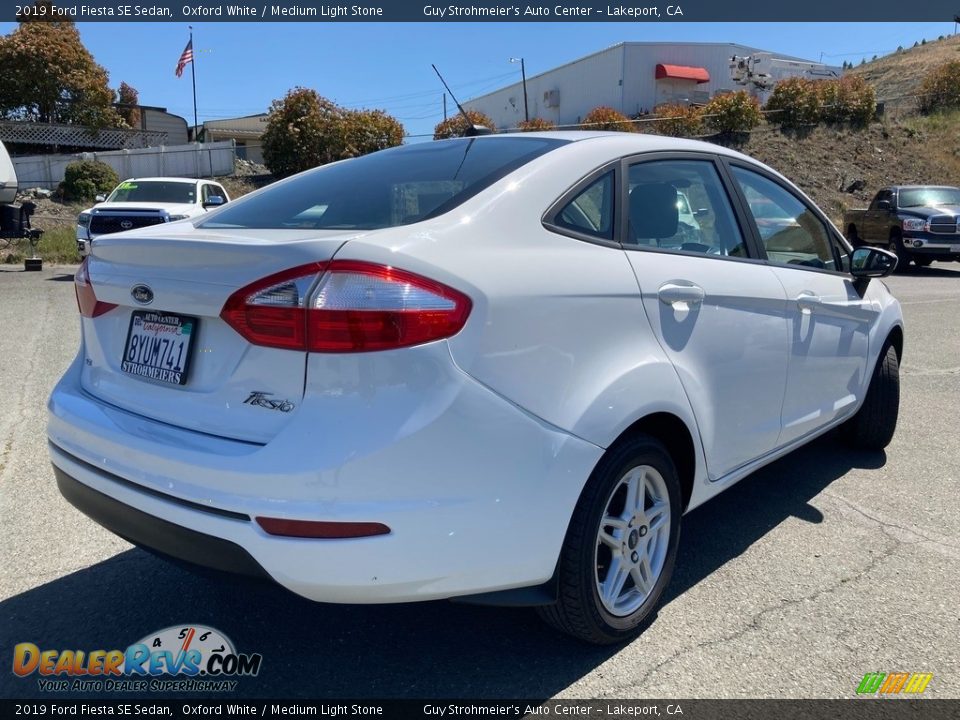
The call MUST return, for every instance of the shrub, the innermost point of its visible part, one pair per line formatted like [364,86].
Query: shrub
[85,179]
[456,126]
[850,99]
[940,89]
[606,118]
[535,125]
[737,112]
[794,103]
[677,120]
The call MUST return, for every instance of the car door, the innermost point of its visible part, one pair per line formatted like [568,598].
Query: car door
[718,313]
[875,219]
[829,320]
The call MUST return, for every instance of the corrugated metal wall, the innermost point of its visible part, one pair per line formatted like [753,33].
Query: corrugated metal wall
[585,83]
[596,80]
[174,125]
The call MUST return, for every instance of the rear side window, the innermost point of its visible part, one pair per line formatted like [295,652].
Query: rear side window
[590,212]
[393,187]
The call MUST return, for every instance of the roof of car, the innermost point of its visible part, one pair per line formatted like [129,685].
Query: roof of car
[163,179]
[637,142]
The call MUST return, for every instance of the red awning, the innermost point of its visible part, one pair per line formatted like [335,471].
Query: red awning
[683,72]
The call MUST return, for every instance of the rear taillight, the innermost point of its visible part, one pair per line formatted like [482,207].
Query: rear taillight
[345,306]
[87,301]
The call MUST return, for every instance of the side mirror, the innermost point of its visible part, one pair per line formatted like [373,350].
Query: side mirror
[883,205]
[100,198]
[871,262]
[701,212]
[214,201]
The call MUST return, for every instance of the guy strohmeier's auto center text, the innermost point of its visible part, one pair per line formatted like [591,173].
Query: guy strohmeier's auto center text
[170,10]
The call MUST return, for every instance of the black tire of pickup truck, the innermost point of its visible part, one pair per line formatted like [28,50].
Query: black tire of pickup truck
[873,426]
[853,237]
[922,261]
[896,247]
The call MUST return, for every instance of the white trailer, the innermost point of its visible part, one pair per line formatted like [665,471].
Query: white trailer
[8,178]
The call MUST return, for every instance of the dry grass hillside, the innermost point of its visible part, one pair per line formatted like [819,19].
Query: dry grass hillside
[827,161]
[900,74]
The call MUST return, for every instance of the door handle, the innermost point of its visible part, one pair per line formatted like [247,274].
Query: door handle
[807,302]
[672,294]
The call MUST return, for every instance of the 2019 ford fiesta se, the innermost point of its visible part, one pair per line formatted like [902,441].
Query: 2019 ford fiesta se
[499,369]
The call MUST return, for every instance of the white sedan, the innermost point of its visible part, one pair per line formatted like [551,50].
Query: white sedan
[493,369]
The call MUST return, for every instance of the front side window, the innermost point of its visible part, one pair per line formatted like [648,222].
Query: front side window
[681,205]
[393,187]
[790,232]
[590,212]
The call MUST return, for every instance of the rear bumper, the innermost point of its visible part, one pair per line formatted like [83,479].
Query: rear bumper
[477,493]
[152,533]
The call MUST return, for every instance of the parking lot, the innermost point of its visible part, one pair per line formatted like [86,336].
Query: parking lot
[796,582]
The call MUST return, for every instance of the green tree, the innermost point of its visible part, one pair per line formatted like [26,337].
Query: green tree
[129,101]
[456,125]
[305,130]
[366,131]
[49,76]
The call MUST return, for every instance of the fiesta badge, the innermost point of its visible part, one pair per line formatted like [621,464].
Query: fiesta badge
[142,294]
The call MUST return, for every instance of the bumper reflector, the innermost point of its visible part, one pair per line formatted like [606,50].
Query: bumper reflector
[318,529]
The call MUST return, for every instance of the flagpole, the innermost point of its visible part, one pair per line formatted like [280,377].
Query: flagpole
[193,76]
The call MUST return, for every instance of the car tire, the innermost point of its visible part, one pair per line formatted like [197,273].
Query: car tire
[873,426]
[922,261]
[611,577]
[896,247]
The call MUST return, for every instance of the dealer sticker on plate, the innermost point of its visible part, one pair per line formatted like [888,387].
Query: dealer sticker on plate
[158,346]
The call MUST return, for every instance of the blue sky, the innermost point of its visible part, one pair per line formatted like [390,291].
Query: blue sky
[242,67]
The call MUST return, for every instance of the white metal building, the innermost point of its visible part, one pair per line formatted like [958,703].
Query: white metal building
[632,77]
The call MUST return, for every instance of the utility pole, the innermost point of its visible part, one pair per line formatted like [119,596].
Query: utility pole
[444,106]
[523,74]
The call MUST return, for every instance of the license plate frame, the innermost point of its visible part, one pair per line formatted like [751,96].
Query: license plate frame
[150,342]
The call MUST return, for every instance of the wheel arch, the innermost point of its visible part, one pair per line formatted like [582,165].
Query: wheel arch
[672,432]
[895,338]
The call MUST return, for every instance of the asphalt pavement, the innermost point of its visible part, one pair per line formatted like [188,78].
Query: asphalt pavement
[823,566]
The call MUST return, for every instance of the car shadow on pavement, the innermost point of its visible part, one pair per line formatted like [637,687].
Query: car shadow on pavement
[425,650]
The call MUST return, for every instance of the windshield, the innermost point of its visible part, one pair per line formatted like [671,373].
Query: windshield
[929,197]
[154,191]
[393,187]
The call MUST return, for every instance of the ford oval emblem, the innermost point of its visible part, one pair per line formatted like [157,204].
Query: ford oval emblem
[142,294]
[126,224]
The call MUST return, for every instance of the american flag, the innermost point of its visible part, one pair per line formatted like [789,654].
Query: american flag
[185,57]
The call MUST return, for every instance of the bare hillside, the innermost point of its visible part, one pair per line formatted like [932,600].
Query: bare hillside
[900,74]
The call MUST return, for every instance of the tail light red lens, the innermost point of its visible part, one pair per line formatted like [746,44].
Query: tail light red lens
[355,307]
[87,301]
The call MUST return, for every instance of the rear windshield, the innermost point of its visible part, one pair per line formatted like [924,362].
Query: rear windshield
[154,191]
[393,187]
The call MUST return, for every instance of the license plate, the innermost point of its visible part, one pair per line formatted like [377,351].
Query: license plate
[158,346]
[955,248]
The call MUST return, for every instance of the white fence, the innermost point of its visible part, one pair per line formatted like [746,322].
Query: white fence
[195,160]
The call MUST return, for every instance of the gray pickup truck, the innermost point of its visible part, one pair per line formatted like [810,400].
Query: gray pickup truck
[918,222]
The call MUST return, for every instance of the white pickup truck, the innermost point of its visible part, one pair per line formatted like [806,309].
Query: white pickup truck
[139,202]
